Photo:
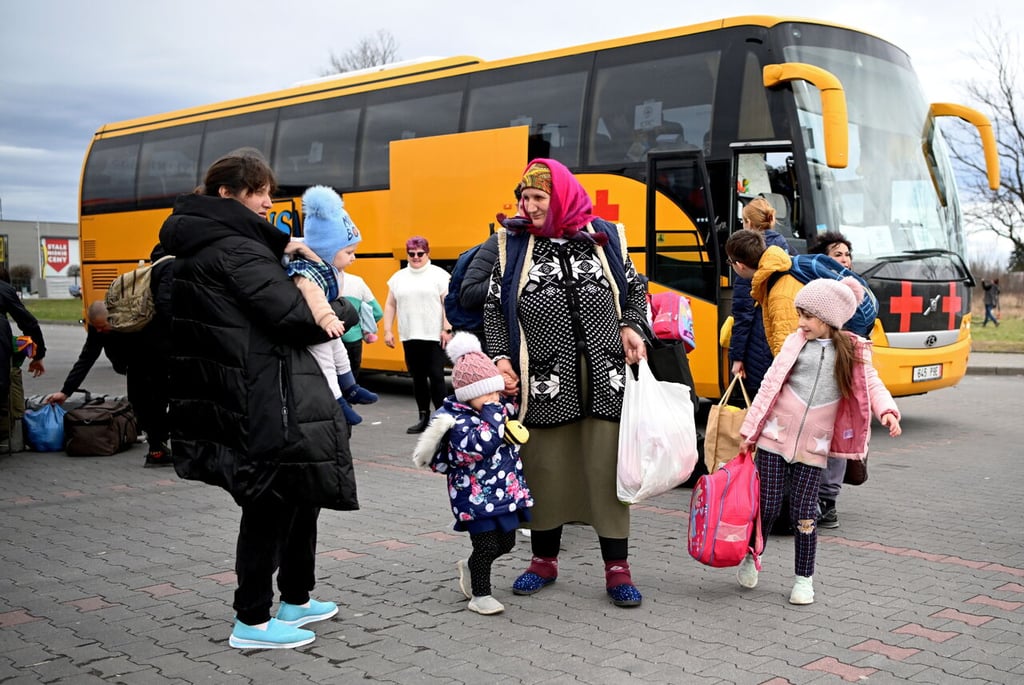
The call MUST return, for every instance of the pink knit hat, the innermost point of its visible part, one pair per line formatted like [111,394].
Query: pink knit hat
[474,374]
[834,302]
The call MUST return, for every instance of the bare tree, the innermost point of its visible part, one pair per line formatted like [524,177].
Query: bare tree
[370,51]
[999,211]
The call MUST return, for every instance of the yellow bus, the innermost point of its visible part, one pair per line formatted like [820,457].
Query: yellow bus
[670,132]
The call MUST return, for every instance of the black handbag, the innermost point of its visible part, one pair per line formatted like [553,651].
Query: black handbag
[668,361]
[856,471]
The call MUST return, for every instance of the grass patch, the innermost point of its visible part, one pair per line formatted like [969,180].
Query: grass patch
[69,309]
[1009,335]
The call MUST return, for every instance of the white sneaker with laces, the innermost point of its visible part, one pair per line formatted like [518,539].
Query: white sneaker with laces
[465,582]
[803,590]
[746,574]
[486,605]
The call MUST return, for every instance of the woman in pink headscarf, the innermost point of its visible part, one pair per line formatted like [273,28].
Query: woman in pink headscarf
[559,321]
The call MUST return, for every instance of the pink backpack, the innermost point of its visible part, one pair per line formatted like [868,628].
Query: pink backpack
[725,512]
[672,318]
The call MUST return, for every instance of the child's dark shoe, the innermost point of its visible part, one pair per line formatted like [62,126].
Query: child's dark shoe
[351,416]
[359,395]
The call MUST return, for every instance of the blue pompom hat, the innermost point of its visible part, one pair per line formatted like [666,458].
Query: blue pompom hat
[326,225]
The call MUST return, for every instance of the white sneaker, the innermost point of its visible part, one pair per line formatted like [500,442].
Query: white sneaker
[525,532]
[803,590]
[486,605]
[746,574]
[465,583]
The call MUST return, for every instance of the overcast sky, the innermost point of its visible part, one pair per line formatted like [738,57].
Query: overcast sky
[67,66]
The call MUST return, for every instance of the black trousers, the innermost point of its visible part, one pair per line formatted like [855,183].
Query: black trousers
[355,356]
[425,360]
[274,536]
[148,390]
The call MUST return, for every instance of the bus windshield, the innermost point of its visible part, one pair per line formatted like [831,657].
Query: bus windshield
[893,195]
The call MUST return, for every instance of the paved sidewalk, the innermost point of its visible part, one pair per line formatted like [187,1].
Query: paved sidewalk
[111,573]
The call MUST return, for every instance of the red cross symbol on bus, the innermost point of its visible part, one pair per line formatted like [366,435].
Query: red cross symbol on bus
[951,305]
[603,209]
[905,304]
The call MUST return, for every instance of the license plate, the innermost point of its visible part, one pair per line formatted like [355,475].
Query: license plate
[932,372]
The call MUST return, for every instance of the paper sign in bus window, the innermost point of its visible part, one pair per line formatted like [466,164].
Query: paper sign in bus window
[647,115]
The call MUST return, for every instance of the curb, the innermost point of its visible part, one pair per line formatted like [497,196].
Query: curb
[995,371]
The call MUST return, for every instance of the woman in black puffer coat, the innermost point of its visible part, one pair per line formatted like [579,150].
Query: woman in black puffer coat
[250,410]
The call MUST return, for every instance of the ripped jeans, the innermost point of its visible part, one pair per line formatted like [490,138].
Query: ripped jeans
[803,482]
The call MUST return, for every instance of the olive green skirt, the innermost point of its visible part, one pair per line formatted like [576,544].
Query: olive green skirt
[570,471]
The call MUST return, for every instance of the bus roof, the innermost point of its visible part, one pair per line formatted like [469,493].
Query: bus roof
[410,70]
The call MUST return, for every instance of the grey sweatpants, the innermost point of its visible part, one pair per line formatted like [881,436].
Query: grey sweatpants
[832,478]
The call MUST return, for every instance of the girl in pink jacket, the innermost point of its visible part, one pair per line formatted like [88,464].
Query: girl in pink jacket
[816,401]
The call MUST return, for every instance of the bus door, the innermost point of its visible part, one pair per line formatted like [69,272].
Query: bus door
[682,249]
[767,170]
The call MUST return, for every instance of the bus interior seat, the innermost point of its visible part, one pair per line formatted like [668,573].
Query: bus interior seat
[669,134]
[781,204]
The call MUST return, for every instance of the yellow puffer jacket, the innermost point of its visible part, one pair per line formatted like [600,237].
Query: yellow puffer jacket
[780,317]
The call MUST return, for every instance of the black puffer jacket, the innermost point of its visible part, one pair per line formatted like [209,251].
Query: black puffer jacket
[477,280]
[250,410]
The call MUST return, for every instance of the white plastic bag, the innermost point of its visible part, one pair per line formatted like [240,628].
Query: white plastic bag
[657,437]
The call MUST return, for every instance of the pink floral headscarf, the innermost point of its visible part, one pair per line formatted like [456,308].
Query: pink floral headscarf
[569,211]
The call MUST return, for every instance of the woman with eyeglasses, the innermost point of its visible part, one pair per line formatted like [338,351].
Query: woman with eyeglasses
[416,294]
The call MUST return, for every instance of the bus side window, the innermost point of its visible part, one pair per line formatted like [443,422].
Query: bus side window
[546,97]
[316,143]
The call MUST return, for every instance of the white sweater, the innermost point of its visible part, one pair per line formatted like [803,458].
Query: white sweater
[419,301]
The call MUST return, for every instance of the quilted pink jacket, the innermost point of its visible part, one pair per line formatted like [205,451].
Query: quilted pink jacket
[851,427]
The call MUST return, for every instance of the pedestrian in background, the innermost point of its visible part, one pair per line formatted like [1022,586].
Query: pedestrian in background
[10,373]
[416,296]
[748,346]
[991,300]
[142,356]
[839,248]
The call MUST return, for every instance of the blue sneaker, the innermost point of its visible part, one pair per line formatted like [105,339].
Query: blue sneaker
[625,595]
[295,615]
[276,636]
[529,583]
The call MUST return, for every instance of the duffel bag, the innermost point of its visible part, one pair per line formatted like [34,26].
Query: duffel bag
[100,428]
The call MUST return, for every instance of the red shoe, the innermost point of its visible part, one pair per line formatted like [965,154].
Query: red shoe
[158,458]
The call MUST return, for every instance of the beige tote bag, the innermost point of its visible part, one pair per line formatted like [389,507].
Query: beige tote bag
[722,436]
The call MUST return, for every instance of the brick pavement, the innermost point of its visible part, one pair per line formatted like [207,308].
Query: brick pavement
[111,573]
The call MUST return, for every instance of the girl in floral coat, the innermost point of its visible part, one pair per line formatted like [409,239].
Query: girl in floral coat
[472,440]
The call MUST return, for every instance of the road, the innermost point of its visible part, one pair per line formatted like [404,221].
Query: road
[114,573]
